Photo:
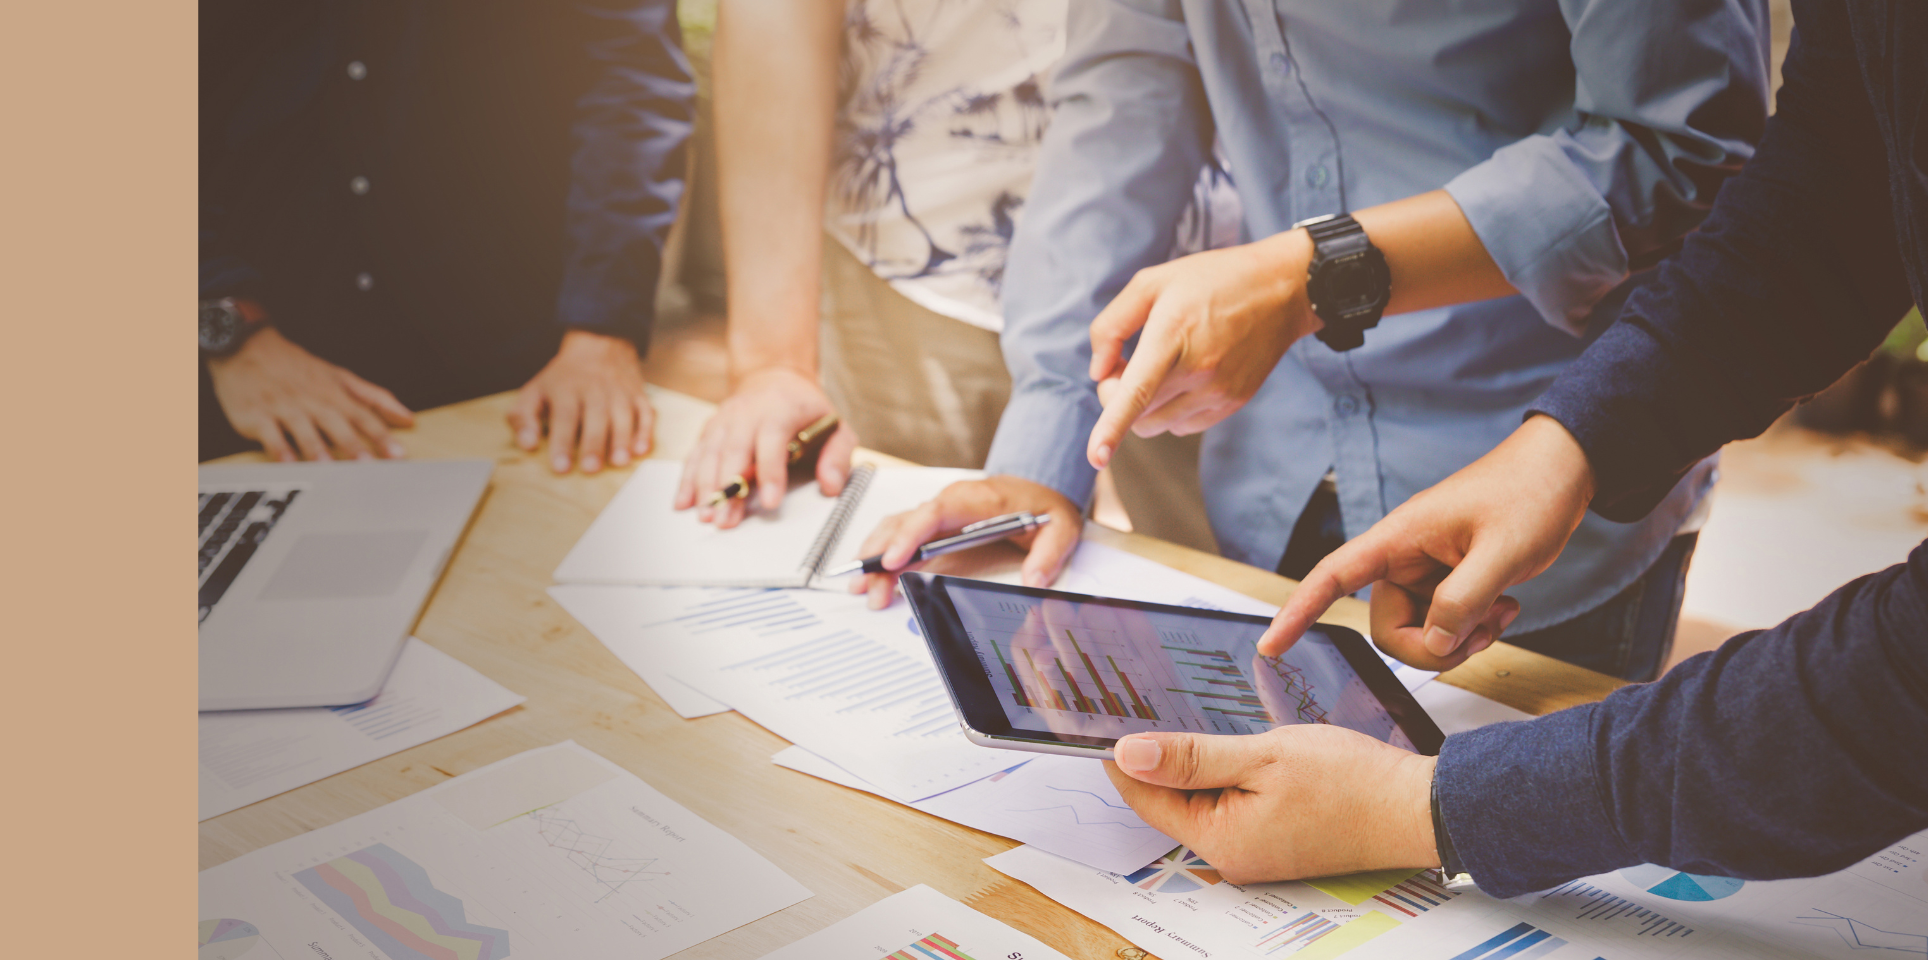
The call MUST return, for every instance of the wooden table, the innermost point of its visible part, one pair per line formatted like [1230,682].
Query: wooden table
[851,848]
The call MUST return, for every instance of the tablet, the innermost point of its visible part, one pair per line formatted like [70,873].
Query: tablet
[1055,672]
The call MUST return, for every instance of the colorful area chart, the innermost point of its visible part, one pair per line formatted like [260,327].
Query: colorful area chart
[934,947]
[227,939]
[1179,871]
[1674,885]
[391,901]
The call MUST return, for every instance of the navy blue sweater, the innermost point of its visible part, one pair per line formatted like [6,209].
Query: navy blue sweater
[1793,751]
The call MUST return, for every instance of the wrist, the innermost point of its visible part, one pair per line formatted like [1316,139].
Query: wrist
[263,342]
[1560,457]
[580,340]
[1287,258]
[1419,844]
[746,372]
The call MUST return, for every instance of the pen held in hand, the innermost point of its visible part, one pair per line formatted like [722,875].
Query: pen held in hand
[981,532]
[805,442]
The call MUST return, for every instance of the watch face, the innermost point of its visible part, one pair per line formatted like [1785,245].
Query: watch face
[220,327]
[1347,284]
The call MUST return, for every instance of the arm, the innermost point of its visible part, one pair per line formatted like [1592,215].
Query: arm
[1129,133]
[1793,280]
[1838,693]
[1691,772]
[775,76]
[1669,98]
[293,403]
[626,180]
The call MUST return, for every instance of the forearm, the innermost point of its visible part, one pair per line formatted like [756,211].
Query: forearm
[1738,762]
[1792,280]
[775,76]
[633,121]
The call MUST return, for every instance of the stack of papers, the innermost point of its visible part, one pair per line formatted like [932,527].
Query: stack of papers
[856,690]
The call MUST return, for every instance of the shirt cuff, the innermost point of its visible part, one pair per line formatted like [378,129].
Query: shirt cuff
[1042,436]
[1523,805]
[1547,228]
[618,299]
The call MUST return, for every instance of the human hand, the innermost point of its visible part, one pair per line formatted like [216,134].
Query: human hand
[749,436]
[591,394]
[1215,324]
[1307,800]
[969,501]
[1439,563]
[299,406]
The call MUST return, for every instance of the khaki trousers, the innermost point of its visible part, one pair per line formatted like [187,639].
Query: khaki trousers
[919,385]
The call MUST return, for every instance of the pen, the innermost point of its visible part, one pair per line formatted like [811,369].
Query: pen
[983,531]
[739,487]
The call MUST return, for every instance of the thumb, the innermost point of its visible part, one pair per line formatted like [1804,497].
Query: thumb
[1462,600]
[1050,549]
[1189,761]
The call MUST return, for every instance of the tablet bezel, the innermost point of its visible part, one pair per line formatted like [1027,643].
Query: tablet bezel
[969,684]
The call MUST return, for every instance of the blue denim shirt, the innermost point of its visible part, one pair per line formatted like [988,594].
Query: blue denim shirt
[1581,139]
[1788,752]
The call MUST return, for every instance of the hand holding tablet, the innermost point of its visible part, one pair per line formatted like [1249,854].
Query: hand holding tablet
[1056,672]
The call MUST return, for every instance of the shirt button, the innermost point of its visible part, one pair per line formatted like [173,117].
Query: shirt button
[1316,176]
[1347,406]
[364,282]
[357,70]
[358,185]
[1281,64]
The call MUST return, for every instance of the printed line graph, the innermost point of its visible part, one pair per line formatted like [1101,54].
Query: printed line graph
[1858,935]
[591,854]
[1126,819]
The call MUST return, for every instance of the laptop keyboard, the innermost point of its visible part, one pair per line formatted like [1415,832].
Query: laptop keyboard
[233,525]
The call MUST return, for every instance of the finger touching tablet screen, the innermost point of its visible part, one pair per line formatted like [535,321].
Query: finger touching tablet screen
[1056,672]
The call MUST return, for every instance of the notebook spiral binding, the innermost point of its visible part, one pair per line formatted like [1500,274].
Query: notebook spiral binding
[833,528]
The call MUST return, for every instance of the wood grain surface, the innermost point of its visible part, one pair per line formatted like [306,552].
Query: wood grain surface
[851,848]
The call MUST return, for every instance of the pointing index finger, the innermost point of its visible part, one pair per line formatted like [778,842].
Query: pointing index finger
[1135,391]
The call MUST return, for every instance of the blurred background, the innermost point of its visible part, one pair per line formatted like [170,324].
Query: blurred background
[1838,488]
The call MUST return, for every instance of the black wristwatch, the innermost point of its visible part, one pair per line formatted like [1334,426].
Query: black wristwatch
[1348,284]
[227,323]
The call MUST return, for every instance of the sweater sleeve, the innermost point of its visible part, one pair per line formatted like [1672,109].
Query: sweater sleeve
[626,176]
[1788,752]
[1793,279]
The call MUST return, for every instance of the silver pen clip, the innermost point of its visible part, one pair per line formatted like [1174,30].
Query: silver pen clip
[1024,515]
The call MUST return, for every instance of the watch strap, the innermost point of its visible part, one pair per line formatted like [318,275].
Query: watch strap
[1451,871]
[1338,237]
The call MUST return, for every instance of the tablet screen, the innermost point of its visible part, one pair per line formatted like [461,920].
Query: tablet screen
[1106,669]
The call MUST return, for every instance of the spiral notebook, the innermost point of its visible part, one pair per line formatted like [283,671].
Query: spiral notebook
[638,539]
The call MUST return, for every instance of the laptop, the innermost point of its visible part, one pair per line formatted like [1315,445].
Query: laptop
[312,574]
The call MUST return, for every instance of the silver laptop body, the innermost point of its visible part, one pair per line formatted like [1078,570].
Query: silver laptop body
[313,574]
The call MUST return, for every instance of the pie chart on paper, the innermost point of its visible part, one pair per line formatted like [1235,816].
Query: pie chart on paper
[1674,885]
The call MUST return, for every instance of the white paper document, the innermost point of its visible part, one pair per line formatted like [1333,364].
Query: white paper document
[1182,900]
[918,924]
[1876,908]
[856,687]
[251,755]
[639,539]
[626,620]
[553,853]
[1062,805]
